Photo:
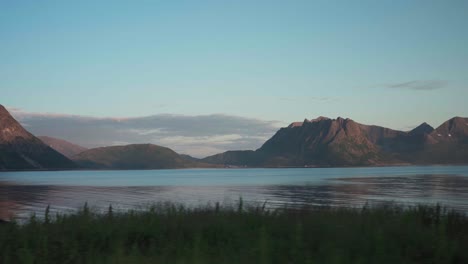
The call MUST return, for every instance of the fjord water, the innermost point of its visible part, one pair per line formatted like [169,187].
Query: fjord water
[22,193]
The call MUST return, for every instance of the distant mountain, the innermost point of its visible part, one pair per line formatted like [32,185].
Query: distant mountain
[136,156]
[236,158]
[453,130]
[344,142]
[321,142]
[20,150]
[189,158]
[447,144]
[66,148]
[423,128]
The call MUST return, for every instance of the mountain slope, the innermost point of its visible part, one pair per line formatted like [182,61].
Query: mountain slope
[135,156]
[20,150]
[318,142]
[452,130]
[447,144]
[236,157]
[64,147]
[424,128]
[344,142]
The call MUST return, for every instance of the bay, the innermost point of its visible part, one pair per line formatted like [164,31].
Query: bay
[24,193]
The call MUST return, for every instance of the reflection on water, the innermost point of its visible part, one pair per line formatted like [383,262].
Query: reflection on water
[21,198]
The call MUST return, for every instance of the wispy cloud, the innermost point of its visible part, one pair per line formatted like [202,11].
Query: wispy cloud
[420,85]
[195,135]
[307,98]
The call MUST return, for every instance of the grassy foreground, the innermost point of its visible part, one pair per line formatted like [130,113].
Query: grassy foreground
[167,233]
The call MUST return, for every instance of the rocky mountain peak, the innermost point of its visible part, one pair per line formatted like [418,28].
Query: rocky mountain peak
[295,124]
[10,129]
[423,128]
[320,118]
[451,129]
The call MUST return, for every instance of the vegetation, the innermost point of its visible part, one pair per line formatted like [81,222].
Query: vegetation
[168,233]
[135,156]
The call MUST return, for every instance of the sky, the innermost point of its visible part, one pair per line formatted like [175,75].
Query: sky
[390,63]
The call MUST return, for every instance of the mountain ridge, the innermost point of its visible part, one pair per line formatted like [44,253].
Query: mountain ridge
[343,142]
[319,142]
[136,156]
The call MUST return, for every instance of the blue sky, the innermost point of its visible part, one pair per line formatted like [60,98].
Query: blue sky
[390,63]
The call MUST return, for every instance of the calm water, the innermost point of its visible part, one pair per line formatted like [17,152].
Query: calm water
[22,193]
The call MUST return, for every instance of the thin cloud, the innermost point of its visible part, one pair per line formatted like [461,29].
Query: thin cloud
[296,99]
[195,135]
[420,85]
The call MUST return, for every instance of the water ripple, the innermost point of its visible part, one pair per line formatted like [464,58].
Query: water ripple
[21,198]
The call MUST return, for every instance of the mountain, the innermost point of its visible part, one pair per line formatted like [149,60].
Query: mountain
[189,158]
[66,148]
[344,142]
[423,128]
[453,130]
[318,142]
[20,150]
[447,144]
[236,158]
[135,156]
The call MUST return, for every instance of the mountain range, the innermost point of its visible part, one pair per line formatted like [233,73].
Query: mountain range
[320,142]
[344,142]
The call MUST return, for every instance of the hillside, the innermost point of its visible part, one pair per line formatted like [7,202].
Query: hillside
[136,156]
[64,147]
[20,150]
[447,144]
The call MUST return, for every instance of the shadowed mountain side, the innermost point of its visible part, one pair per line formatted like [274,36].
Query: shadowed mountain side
[136,156]
[424,128]
[343,142]
[452,130]
[20,150]
[236,157]
[447,144]
[189,158]
[64,147]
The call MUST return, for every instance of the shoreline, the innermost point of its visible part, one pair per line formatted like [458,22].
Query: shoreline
[240,167]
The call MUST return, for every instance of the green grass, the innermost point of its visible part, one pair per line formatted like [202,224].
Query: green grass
[168,233]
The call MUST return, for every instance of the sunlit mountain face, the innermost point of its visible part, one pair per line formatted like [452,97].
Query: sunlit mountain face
[19,149]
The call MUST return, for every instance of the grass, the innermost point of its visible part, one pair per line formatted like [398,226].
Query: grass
[169,233]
